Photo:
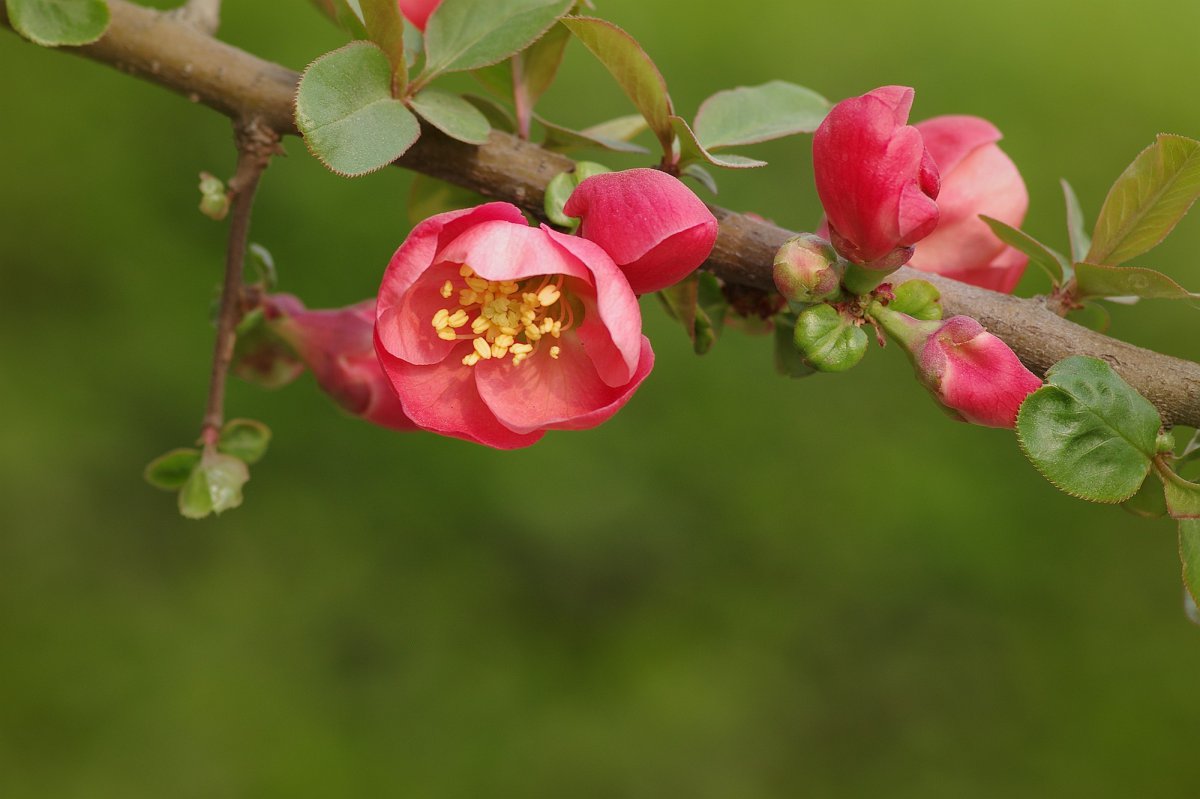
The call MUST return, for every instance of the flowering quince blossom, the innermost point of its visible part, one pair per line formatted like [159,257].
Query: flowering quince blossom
[654,228]
[876,180]
[338,346]
[977,178]
[494,331]
[417,11]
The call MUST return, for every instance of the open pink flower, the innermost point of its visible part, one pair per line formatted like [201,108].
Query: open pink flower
[338,346]
[875,178]
[654,228]
[977,178]
[417,11]
[494,331]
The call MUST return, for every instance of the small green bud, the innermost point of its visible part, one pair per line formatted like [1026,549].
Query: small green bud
[1166,441]
[829,341]
[807,269]
[919,299]
[214,199]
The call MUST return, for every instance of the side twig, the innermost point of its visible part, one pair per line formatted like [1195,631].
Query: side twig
[255,145]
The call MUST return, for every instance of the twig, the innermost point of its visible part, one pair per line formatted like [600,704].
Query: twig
[151,45]
[255,145]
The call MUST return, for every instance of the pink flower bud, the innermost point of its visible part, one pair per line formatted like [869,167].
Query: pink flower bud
[417,11]
[977,178]
[875,178]
[806,269]
[337,345]
[652,226]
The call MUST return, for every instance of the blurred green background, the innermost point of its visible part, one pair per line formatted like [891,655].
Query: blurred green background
[741,586]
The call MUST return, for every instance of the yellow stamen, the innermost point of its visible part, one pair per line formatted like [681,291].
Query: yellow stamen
[447,289]
[548,296]
[482,348]
[554,351]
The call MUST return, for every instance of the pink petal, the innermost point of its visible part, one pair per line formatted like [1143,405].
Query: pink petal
[561,394]
[952,138]
[443,397]
[654,228]
[505,251]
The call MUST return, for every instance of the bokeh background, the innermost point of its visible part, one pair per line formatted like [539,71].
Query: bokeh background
[741,586]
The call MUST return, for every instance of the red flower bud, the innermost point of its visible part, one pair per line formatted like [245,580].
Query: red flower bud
[875,178]
[977,178]
[417,11]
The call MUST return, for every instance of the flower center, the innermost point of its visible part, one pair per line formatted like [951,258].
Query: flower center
[505,317]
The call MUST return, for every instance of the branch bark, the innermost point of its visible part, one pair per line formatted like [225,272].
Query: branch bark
[154,46]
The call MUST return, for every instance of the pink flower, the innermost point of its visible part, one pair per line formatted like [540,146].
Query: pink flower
[494,331]
[417,11]
[654,228]
[337,345]
[875,178]
[977,178]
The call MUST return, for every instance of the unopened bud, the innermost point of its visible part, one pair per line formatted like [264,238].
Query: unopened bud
[807,269]
[214,199]
[828,340]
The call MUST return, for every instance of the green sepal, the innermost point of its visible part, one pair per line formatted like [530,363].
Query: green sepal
[827,340]
[1089,432]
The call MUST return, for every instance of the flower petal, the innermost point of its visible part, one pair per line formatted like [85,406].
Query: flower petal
[952,138]
[504,251]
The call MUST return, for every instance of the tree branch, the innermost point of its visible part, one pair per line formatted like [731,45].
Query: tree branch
[204,15]
[158,48]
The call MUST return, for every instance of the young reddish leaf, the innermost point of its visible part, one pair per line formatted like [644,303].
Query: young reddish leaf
[534,70]
[467,34]
[636,74]
[1096,280]
[1147,201]
[690,150]
[345,109]
[51,23]
[385,27]
[452,115]
[1081,242]
[1052,263]
[752,114]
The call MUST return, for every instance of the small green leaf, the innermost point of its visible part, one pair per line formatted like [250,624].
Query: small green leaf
[1147,200]
[1149,501]
[51,23]
[1088,432]
[245,439]
[385,27]
[467,34]
[1095,280]
[1081,242]
[752,114]
[919,299]
[1052,263]
[429,196]
[261,265]
[452,115]
[829,341]
[170,471]
[635,73]
[564,140]
[700,175]
[347,114]
[690,150]
[499,117]
[1189,554]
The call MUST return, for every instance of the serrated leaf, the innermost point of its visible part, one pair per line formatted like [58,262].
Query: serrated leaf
[919,299]
[1096,280]
[564,140]
[690,150]
[753,114]
[385,27]
[345,109]
[467,34]
[1049,261]
[1088,432]
[452,115]
[429,197]
[52,23]
[1189,554]
[635,73]
[244,439]
[1147,200]
[171,471]
[1081,242]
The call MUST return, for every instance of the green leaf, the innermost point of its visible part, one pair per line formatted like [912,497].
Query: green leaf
[829,341]
[700,175]
[1147,200]
[1081,242]
[467,34]
[385,27]
[535,68]
[564,140]
[170,471]
[499,117]
[429,196]
[245,439]
[1088,432]
[752,114]
[346,111]
[51,23]
[1052,263]
[635,73]
[1095,280]
[1189,554]
[919,299]
[690,150]
[1183,496]
[452,115]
